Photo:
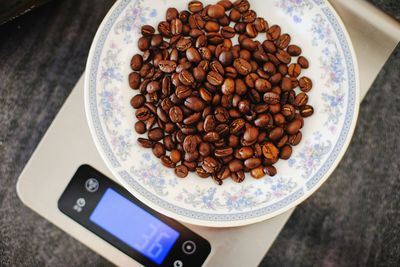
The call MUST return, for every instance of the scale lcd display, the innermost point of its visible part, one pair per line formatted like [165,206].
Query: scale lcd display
[134,226]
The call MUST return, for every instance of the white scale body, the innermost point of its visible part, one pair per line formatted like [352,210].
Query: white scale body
[68,144]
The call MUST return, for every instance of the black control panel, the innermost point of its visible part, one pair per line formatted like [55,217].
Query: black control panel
[112,213]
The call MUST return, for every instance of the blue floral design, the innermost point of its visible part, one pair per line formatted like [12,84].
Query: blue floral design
[294,8]
[200,198]
[310,156]
[135,16]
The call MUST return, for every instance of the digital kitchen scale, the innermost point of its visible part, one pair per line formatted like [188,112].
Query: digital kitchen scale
[68,183]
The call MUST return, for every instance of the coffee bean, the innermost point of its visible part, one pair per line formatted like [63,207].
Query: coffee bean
[211,26]
[269,170]
[137,101]
[241,5]
[250,134]
[307,111]
[158,150]
[303,62]
[210,165]
[276,133]
[294,70]
[211,137]
[140,127]
[288,111]
[146,143]
[176,26]
[283,56]
[273,32]
[248,44]
[195,6]
[257,173]
[223,152]
[136,62]
[183,44]
[283,41]
[194,103]
[175,114]
[271,98]
[295,139]
[252,163]
[242,66]
[167,162]
[181,171]
[270,151]
[293,127]
[251,30]
[155,134]
[249,16]
[235,165]
[305,84]
[216,11]
[301,99]
[186,78]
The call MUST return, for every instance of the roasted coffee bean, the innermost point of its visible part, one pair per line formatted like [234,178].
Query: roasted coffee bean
[183,44]
[186,77]
[273,32]
[242,66]
[294,50]
[176,26]
[248,44]
[270,151]
[271,98]
[175,156]
[227,32]
[140,127]
[295,139]
[192,119]
[142,113]
[215,78]
[211,26]
[147,30]
[221,114]
[158,150]
[301,99]
[195,6]
[276,133]
[306,111]
[164,29]
[293,127]
[167,66]
[210,165]
[228,88]
[216,11]
[211,137]
[235,165]
[181,171]
[269,170]
[146,143]
[223,152]
[250,134]
[303,62]
[286,152]
[252,163]
[249,16]
[153,87]
[193,55]
[294,70]
[176,114]
[241,5]
[194,103]
[155,134]
[136,62]
[138,101]
[283,57]
[262,120]
[257,173]
[134,80]
[167,162]
[305,84]
[288,111]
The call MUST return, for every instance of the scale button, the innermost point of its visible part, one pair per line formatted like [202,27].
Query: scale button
[92,185]
[178,263]
[189,247]
[80,203]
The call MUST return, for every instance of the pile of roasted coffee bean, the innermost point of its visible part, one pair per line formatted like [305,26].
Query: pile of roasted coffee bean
[214,107]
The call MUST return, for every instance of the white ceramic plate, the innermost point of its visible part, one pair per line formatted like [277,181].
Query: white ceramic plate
[314,26]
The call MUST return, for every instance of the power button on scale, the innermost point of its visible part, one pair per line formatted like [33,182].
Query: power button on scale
[189,247]
[91,185]
[178,263]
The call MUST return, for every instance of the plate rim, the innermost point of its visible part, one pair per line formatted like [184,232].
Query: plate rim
[221,223]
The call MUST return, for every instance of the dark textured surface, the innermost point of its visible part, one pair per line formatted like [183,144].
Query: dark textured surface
[353,220]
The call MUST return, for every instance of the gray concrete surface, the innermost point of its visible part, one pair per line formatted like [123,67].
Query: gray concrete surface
[353,220]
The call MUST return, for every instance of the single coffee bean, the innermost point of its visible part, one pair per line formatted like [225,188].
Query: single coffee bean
[221,114]
[228,88]
[164,29]
[138,101]
[142,113]
[186,78]
[140,127]
[269,170]
[153,87]
[294,50]
[235,165]
[262,85]
[283,41]
[158,150]
[136,62]
[293,127]
[167,66]
[175,156]
[286,84]
[228,32]
[269,46]
[270,151]
[211,137]
[167,162]
[252,163]
[155,134]
[286,152]
[295,139]
[195,6]
[288,111]
[276,133]
[283,57]
[262,120]
[210,165]
[241,5]
[192,119]
[143,43]
[216,11]
[194,103]
[223,152]
[172,13]
[273,32]
[176,26]
[251,30]
[134,80]
[146,143]
[147,30]
[257,173]
[190,144]
[301,99]
[271,98]
[294,70]
[193,55]
[249,16]
[242,66]
[211,26]
[248,44]
[204,149]
[275,79]
[214,78]
[306,111]
[183,44]
[261,24]
[303,62]
[305,84]
[250,134]
[176,114]
[181,171]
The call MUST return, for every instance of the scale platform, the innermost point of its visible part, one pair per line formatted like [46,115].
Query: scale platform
[68,144]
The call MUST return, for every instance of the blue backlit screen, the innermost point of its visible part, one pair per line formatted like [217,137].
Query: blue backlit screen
[134,226]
